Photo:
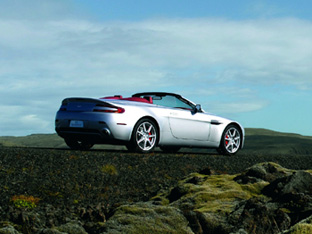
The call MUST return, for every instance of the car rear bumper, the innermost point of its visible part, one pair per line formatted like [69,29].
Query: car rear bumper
[96,128]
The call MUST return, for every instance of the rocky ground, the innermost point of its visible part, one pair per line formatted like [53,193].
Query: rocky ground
[110,191]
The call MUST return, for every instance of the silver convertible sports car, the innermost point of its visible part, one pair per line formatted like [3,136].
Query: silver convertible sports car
[144,121]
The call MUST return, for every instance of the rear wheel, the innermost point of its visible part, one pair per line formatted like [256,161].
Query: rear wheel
[144,137]
[231,140]
[78,145]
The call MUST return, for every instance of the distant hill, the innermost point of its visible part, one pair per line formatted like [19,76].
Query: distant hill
[258,142]
[34,140]
[264,141]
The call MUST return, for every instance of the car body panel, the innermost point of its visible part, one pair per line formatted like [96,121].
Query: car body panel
[189,121]
[113,119]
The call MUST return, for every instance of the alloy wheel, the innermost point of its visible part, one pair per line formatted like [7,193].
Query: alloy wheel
[232,140]
[146,136]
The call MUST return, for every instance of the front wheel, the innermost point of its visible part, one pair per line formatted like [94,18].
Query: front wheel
[231,140]
[144,136]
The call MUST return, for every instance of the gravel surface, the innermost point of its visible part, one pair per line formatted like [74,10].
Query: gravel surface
[62,177]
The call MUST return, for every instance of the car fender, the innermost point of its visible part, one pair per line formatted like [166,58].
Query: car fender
[218,130]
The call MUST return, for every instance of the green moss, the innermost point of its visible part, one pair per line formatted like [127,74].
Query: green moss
[161,199]
[301,228]
[147,218]
[71,228]
[215,193]
[109,169]
[220,193]
[7,224]
[134,210]
[309,171]
[285,210]
[255,188]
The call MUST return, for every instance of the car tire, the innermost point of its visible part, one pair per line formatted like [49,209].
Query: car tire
[144,136]
[231,140]
[78,145]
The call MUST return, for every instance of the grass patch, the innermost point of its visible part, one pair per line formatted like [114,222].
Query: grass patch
[23,201]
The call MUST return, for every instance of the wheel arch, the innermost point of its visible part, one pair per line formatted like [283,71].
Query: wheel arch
[149,118]
[242,132]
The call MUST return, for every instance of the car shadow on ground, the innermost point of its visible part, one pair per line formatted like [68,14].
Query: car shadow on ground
[123,150]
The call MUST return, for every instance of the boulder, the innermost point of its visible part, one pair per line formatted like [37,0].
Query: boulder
[260,200]
[145,217]
[299,182]
[267,171]
[293,193]
[51,231]
[8,230]
[207,200]
[258,216]
[73,227]
[303,227]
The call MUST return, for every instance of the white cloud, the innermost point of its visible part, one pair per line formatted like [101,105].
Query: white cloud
[230,108]
[16,120]
[50,59]
[34,121]
[248,51]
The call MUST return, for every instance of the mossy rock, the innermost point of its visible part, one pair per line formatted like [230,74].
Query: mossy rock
[207,200]
[72,228]
[267,171]
[51,231]
[303,227]
[212,194]
[8,230]
[147,218]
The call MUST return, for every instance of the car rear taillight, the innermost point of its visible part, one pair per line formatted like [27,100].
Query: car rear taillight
[106,108]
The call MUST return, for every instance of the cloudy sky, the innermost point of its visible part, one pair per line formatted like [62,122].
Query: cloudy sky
[246,60]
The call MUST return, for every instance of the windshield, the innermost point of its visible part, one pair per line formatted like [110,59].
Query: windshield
[168,100]
[171,101]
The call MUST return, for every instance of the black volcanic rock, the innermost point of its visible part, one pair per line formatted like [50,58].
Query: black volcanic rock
[100,191]
[299,182]
[267,171]
[258,216]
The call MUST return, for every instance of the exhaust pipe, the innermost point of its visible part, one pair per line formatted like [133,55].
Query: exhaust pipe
[106,131]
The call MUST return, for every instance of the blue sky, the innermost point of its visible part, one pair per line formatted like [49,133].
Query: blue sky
[246,60]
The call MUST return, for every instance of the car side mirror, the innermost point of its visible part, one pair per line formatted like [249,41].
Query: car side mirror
[198,108]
